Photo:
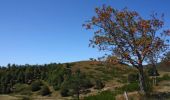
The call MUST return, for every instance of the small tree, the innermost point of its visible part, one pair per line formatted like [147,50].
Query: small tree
[152,59]
[128,36]
[75,84]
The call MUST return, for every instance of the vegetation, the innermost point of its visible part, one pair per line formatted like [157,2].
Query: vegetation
[23,79]
[35,86]
[130,41]
[106,95]
[99,84]
[132,77]
[45,91]
[75,80]
[128,37]
[76,84]
[164,78]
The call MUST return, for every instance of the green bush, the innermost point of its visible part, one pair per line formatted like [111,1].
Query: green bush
[99,84]
[149,84]
[164,77]
[56,87]
[21,88]
[35,86]
[152,72]
[105,95]
[64,92]
[130,87]
[77,83]
[45,91]
[26,92]
[39,82]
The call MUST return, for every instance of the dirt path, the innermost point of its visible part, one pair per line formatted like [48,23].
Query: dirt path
[8,97]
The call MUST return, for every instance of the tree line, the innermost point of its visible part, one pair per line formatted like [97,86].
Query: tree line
[60,76]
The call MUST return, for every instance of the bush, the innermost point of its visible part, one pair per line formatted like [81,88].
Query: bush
[164,77]
[45,91]
[77,83]
[39,82]
[26,92]
[132,77]
[152,72]
[149,84]
[35,86]
[105,95]
[23,89]
[99,84]
[64,92]
[130,87]
[87,83]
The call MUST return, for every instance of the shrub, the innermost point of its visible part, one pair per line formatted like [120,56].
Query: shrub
[56,87]
[164,77]
[87,83]
[105,95]
[99,84]
[39,82]
[35,86]
[45,91]
[130,87]
[23,89]
[149,84]
[152,72]
[26,92]
[64,92]
[132,77]
[77,83]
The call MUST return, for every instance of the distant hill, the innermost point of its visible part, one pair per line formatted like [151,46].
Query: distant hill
[54,79]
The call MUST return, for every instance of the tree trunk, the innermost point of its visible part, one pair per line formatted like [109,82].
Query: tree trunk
[142,83]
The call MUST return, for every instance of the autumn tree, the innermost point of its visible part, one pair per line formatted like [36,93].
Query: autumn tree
[127,36]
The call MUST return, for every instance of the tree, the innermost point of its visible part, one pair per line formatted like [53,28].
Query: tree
[128,36]
[76,84]
[152,59]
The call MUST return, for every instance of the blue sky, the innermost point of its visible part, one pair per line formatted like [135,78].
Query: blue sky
[44,31]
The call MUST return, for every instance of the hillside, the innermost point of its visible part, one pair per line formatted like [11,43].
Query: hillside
[28,81]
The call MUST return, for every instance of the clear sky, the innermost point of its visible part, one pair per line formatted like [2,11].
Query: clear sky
[44,31]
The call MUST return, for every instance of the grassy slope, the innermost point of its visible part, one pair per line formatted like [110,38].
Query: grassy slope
[113,76]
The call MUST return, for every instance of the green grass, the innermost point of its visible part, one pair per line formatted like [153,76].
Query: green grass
[110,95]
[165,77]
[22,89]
[130,87]
[105,95]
